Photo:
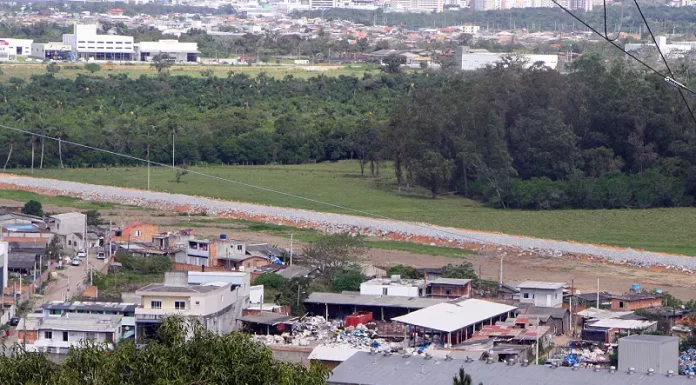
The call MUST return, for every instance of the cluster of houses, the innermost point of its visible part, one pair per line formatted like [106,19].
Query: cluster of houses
[435,316]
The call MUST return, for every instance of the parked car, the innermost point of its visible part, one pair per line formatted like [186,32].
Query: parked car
[76,261]
[101,255]
[81,253]
[14,321]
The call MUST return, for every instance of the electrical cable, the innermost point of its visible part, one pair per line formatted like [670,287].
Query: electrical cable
[667,78]
[659,50]
[366,213]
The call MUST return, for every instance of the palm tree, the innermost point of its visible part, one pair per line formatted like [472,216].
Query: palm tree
[9,154]
[462,378]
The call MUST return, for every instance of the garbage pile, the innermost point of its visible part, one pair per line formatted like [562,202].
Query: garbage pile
[687,362]
[584,356]
[318,329]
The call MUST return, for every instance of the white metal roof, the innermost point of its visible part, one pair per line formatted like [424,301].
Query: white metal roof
[622,324]
[451,316]
[541,285]
[593,312]
[337,353]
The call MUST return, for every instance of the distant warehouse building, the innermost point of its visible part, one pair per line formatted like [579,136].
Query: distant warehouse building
[469,60]
[177,52]
[87,44]
[51,51]
[11,49]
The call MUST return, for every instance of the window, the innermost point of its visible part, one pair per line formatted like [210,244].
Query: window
[81,41]
[65,336]
[156,304]
[385,291]
[555,296]
[526,295]
[100,42]
[109,337]
[239,247]
[137,232]
[48,335]
[69,242]
[621,304]
[90,42]
[180,305]
[448,292]
[90,335]
[198,302]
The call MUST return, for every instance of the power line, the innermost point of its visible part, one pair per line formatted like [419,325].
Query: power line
[346,208]
[659,50]
[668,79]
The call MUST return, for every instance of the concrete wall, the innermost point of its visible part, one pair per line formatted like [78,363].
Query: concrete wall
[137,232]
[394,290]
[437,290]
[69,223]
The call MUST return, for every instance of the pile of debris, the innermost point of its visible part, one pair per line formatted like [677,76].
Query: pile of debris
[334,333]
[687,362]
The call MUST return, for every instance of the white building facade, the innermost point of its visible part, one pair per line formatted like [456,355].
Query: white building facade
[15,48]
[176,51]
[58,335]
[470,61]
[546,294]
[394,286]
[216,305]
[87,44]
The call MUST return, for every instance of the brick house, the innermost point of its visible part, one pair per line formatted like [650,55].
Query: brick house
[635,301]
[136,232]
[449,288]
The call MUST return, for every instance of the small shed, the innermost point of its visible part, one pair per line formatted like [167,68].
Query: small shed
[644,352]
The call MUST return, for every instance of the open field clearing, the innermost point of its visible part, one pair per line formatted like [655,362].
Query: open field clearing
[664,230]
[70,71]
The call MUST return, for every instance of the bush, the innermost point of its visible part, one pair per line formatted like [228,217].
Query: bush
[154,264]
[348,280]
[407,272]
[33,208]
[610,191]
[270,280]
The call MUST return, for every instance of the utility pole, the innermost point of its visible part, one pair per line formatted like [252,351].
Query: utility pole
[173,143]
[148,167]
[500,281]
[597,293]
[290,249]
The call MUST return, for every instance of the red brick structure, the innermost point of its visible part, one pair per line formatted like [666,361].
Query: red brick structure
[635,301]
[449,288]
[136,232]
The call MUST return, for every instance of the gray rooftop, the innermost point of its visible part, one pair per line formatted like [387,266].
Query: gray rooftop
[266,318]
[541,285]
[542,312]
[373,300]
[188,289]
[82,322]
[376,369]
[450,281]
[90,306]
[650,339]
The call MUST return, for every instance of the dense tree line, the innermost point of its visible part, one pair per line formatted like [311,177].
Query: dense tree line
[604,136]
[662,18]
[129,9]
[183,353]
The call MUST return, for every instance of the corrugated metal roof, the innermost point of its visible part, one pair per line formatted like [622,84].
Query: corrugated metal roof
[377,369]
[541,285]
[450,281]
[448,317]
[622,324]
[338,353]
[373,300]
[649,339]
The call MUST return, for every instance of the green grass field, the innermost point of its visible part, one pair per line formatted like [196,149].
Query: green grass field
[667,230]
[26,70]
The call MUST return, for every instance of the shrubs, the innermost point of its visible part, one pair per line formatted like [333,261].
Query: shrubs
[613,190]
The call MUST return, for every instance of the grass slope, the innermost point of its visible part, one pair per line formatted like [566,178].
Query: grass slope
[667,230]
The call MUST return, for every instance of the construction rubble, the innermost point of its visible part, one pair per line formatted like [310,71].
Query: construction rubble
[316,329]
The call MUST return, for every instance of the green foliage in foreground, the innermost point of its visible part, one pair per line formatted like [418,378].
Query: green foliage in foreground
[184,354]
